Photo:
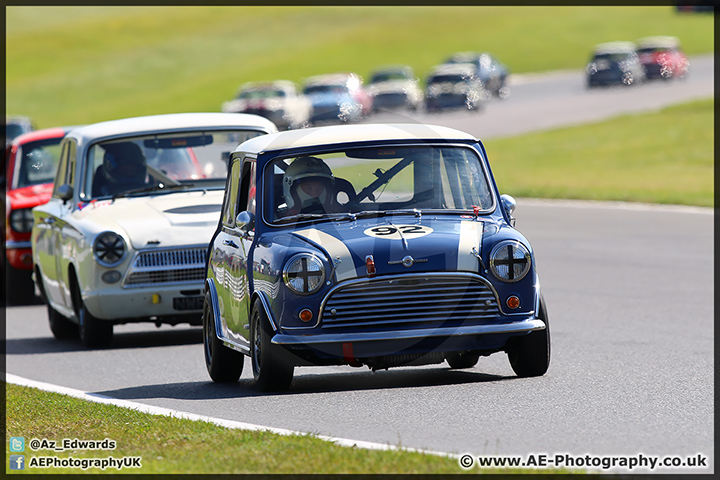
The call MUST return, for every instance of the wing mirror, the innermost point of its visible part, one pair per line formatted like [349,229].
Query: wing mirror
[65,192]
[509,205]
[245,222]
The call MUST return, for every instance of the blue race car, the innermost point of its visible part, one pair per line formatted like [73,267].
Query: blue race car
[376,245]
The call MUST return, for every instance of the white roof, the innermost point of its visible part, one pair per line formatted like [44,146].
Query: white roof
[658,41]
[336,134]
[615,47]
[453,69]
[171,122]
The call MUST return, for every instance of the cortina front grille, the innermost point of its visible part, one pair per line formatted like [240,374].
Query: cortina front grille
[168,267]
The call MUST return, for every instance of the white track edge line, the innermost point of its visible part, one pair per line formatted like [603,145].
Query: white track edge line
[168,412]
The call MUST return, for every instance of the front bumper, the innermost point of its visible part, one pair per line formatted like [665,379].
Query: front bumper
[148,304]
[487,337]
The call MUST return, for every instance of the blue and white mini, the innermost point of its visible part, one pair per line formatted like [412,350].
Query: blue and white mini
[376,245]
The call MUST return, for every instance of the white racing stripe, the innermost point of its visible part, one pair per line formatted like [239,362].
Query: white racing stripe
[470,237]
[344,270]
[168,412]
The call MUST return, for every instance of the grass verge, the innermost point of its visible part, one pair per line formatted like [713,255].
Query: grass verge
[663,157]
[172,445]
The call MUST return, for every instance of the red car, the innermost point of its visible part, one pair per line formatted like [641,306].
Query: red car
[662,57]
[31,160]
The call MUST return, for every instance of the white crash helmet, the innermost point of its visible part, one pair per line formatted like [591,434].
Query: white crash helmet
[303,168]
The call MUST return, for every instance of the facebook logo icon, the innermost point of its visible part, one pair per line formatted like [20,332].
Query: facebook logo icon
[17,462]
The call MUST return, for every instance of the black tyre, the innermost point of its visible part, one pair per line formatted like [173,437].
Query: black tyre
[529,355]
[462,359]
[223,364]
[94,332]
[272,369]
[61,327]
[20,286]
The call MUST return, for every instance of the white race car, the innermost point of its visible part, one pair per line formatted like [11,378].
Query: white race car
[134,205]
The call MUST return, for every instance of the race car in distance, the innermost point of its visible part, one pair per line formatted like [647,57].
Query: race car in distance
[489,69]
[662,57]
[124,236]
[278,101]
[377,245]
[338,97]
[31,161]
[455,86]
[614,63]
[395,87]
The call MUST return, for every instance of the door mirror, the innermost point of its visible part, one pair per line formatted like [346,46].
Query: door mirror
[509,205]
[65,192]
[245,222]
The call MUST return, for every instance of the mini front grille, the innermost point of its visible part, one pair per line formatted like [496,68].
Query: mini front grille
[418,301]
[168,267]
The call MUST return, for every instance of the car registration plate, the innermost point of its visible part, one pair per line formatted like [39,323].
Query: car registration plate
[188,303]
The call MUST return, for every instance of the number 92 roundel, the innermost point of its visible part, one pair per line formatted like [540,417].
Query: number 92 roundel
[397,232]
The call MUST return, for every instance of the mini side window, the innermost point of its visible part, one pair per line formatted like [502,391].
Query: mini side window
[230,208]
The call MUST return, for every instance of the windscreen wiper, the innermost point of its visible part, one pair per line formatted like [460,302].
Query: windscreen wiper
[153,188]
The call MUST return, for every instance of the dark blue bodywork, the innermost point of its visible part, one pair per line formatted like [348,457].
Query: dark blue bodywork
[443,301]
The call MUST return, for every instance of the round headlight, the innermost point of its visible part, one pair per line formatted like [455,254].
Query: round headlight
[304,273]
[109,249]
[510,261]
[21,220]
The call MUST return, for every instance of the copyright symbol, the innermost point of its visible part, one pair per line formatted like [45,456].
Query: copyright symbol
[466,461]
[34,444]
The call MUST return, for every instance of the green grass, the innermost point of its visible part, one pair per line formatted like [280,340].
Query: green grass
[172,445]
[663,157]
[72,65]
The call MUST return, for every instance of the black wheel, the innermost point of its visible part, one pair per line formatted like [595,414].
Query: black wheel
[462,359]
[61,327]
[94,333]
[20,286]
[529,355]
[272,369]
[223,364]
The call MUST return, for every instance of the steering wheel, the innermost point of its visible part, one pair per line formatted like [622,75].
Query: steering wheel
[343,186]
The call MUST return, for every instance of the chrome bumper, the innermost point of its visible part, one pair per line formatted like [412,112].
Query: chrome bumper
[522,326]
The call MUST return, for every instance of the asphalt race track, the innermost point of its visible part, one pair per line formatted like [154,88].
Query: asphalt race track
[630,297]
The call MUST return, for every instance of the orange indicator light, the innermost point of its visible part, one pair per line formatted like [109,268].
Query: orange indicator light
[513,302]
[305,315]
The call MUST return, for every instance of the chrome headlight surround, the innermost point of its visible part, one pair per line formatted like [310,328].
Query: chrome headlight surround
[510,261]
[109,249]
[21,220]
[304,273]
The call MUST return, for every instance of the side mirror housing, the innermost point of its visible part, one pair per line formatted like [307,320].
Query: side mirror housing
[245,221]
[65,192]
[509,204]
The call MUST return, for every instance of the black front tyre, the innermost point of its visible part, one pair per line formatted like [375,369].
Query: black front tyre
[529,355]
[272,369]
[20,286]
[224,364]
[94,333]
[61,327]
